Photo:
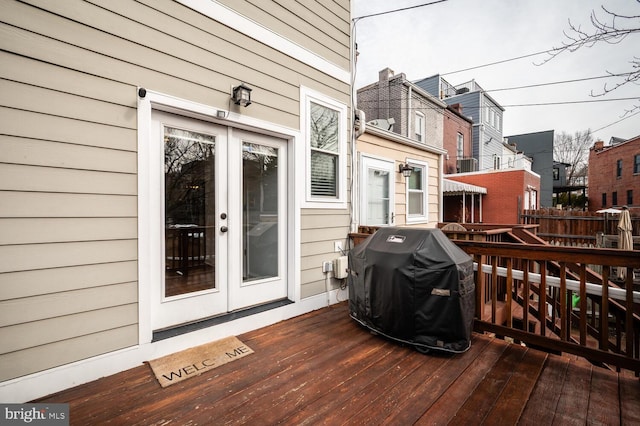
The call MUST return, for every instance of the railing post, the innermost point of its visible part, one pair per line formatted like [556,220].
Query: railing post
[480,259]
[542,298]
[583,304]
[564,332]
[629,334]
[494,288]
[604,310]
[525,295]
[509,291]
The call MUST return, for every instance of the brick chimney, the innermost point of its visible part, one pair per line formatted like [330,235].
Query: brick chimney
[457,108]
[383,92]
[598,146]
[385,74]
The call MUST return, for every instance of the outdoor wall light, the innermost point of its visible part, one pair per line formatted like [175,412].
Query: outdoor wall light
[405,169]
[242,95]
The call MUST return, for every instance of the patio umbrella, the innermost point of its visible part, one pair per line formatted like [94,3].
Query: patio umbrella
[625,237]
[606,212]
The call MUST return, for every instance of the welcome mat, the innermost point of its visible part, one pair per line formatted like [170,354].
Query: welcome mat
[192,362]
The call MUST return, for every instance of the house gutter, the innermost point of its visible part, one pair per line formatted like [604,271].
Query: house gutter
[354,185]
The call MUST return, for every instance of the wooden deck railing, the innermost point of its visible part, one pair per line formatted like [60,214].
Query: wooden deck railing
[549,297]
[575,228]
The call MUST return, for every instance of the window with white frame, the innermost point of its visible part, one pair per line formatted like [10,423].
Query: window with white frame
[419,126]
[417,192]
[460,146]
[325,134]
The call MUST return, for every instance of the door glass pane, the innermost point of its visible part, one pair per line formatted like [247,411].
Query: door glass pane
[378,197]
[260,211]
[189,182]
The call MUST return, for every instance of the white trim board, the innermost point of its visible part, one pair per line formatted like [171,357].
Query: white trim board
[148,241]
[250,28]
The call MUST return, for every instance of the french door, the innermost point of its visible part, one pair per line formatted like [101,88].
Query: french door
[222,232]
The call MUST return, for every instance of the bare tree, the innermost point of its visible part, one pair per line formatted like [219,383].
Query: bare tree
[573,150]
[612,28]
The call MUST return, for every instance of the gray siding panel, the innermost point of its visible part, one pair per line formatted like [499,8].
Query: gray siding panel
[430,85]
[37,308]
[68,150]
[66,327]
[34,152]
[24,284]
[55,255]
[35,125]
[38,204]
[308,23]
[38,358]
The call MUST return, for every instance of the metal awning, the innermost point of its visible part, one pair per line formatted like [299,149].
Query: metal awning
[452,187]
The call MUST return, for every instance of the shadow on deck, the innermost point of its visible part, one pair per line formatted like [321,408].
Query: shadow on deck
[322,367]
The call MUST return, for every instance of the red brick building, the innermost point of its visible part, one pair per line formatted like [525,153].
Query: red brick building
[456,139]
[508,193]
[614,175]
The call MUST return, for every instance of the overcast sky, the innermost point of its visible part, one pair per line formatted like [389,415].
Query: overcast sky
[459,34]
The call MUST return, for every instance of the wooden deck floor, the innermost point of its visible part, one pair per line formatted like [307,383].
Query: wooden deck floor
[323,368]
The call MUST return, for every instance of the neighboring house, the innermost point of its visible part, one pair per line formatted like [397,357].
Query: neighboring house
[465,200]
[457,141]
[538,146]
[386,196]
[560,174]
[508,192]
[486,113]
[562,187]
[403,108]
[143,199]
[513,158]
[614,175]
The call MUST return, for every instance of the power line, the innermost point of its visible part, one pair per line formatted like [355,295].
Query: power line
[616,122]
[558,82]
[588,101]
[398,10]
[555,51]
[498,62]
[466,108]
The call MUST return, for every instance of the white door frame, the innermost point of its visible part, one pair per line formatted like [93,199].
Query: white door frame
[148,219]
[387,165]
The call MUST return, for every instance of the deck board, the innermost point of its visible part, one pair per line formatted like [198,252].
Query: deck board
[546,392]
[515,395]
[425,391]
[446,407]
[324,368]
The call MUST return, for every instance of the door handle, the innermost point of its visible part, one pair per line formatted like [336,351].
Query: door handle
[223,229]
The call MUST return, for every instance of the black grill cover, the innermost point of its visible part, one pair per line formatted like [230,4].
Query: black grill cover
[415,286]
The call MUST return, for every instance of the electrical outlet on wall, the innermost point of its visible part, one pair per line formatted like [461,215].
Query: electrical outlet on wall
[337,246]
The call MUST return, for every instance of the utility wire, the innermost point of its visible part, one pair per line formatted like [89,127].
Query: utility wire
[498,62]
[572,102]
[558,82]
[615,122]
[466,108]
[398,10]
[555,50]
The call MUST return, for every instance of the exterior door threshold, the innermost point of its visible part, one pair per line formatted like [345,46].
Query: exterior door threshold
[220,319]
